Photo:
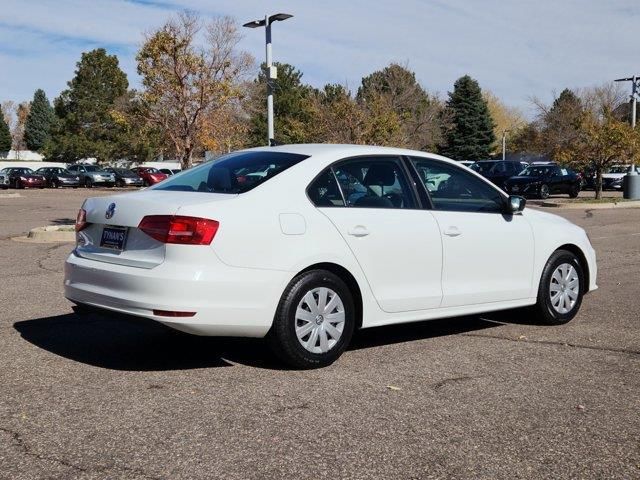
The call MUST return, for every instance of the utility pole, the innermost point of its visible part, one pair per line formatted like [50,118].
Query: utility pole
[270,71]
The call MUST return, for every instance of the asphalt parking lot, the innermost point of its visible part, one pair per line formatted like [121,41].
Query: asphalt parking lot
[493,396]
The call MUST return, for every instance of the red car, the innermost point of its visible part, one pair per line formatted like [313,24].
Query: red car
[24,178]
[150,175]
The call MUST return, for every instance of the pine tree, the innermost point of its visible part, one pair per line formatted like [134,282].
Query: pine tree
[292,106]
[87,124]
[38,125]
[5,135]
[471,134]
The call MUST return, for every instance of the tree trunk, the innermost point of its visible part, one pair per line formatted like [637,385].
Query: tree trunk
[185,161]
[598,183]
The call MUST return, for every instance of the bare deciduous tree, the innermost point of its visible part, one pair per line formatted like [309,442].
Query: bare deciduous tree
[187,83]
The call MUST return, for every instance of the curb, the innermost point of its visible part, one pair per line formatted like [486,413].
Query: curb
[588,206]
[49,234]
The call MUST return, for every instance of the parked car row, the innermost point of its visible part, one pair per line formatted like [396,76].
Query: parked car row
[82,175]
[538,179]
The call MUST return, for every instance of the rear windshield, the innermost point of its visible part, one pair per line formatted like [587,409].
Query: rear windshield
[234,173]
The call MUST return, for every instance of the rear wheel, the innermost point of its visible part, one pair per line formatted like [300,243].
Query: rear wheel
[544,191]
[561,289]
[88,183]
[18,183]
[314,322]
[120,183]
[574,191]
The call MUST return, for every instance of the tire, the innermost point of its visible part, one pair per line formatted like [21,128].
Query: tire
[120,183]
[145,184]
[19,184]
[315,333]
[544,191]
[575,191]
[55,183]
[559,312]
[88,183]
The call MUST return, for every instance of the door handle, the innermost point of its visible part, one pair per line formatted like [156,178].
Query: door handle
[452,232]
[358,231]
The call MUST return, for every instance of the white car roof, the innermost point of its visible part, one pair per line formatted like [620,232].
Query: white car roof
[347,150]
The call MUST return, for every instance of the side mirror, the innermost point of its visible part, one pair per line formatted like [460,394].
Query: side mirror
[515,204]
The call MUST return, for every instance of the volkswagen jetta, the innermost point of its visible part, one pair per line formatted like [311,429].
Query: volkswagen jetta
[302,244]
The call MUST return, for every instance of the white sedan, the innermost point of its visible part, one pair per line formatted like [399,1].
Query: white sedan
[330,239]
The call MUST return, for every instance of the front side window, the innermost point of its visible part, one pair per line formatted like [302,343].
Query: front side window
[376,182]
[234,173]
[454,189]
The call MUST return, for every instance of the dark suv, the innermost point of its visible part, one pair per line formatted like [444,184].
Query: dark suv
[498,171]
[543,180]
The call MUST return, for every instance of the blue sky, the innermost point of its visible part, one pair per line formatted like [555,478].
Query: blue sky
[516,48]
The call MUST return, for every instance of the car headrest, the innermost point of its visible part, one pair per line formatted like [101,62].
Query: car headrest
[380,174]
[219,179]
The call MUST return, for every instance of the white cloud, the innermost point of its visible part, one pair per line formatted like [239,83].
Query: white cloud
[516,49]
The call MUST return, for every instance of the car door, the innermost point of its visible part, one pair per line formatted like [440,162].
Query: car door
[396,242]
[556,181]
[487,254]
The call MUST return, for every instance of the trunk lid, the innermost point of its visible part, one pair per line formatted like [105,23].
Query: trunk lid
[126,211]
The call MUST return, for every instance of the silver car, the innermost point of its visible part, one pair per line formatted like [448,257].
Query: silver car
[91,175]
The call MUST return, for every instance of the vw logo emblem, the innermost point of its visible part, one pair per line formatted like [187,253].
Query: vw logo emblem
[111,209]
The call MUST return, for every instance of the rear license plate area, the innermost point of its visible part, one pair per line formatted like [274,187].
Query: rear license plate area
[114,238]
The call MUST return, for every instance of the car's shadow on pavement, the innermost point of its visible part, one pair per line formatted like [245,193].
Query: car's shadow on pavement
[120,342]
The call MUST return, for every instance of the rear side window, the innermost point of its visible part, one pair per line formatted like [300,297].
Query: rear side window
[376,182]
[234,173]
[324,191]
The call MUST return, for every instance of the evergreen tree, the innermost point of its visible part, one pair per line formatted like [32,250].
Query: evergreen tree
[560,123]
[5,135]
[87,123]
[471,134]
[292,106]
[38,125]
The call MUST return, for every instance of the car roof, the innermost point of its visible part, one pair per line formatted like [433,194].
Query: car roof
[346,150]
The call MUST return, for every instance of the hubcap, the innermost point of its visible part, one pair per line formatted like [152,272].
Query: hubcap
[319,320]
[564,288]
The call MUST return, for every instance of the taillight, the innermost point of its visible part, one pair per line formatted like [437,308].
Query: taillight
[179,229]
[81,220]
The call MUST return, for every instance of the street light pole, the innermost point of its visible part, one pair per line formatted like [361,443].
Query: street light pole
[267,30]
[270,70]
[504,144]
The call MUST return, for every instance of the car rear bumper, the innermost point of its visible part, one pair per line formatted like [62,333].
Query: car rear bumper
[228,301]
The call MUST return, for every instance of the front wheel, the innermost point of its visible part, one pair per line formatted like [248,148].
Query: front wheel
[88,183]
[561,289]
[314,321]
